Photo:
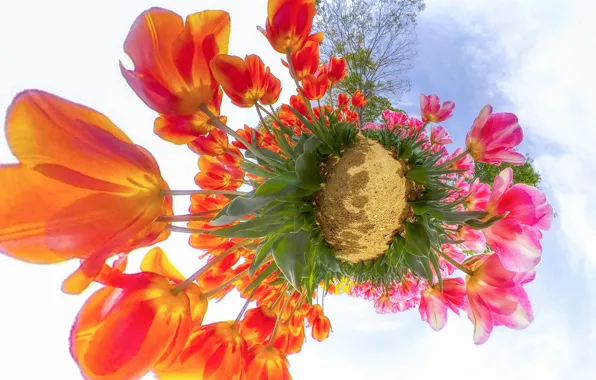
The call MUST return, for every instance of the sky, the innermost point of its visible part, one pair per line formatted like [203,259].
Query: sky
[531,57]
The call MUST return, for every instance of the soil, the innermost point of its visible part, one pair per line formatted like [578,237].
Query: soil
[363,202]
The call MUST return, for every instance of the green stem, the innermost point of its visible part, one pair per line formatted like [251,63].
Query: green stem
[244,307]
[180,287]
[279,319]
[456,264]
[186,230]
[221,126]
[186,218]
[224,285]
[447,163]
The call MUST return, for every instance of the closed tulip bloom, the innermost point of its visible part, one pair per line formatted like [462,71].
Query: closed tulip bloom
[493,138]
[495,296]
[321,326]
[336,70]
[266,363]
[358,100]
[122,331]
[257,325]
[306,60]
[171,58]
[315,85]
[288,24]
[95,192]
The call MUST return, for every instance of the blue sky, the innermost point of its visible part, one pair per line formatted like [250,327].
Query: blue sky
[534,58]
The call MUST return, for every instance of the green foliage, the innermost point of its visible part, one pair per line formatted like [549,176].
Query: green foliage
[521,174]
[268,121]
[377,39]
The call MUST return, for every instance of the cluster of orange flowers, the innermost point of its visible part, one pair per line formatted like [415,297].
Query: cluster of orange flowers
[104,196]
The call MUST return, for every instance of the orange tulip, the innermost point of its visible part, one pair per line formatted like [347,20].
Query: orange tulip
[123,331]
[244,81]
[336,70]
[288,24]
[184,129]
[213,352]
[171,58]
[321,326]
[306,60]
[358,100]
[257,325]
[214,175]
[315,85]
[82,189]
[266,363]
[271,95]
[156,261]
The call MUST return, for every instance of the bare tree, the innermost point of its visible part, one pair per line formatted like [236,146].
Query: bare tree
[377,38]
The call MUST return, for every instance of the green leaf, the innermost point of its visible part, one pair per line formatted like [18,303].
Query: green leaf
[435,262]
[289,253]
[275,185]
[480,225]
[266,193]
[253,228]
[456,217]
[395,252]
[418,174]
[261,254]
[417,240]
[327,258]
[420,208]
[307,168]
[299,148]
[420,266]
[262,276]
[255,169]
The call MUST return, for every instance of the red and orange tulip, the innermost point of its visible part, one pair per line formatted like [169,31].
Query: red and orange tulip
[213,352]
[97,193]
[321,327]
[358,100]
[257,325]
[306,60]
[243,80]
[315,85]
[214,175]
[336,70]
[171,58]
[266,363]
[288,24]
[123,331]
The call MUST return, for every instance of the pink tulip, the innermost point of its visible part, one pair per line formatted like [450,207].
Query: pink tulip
[516,237]
[450,250]
[474,240]
[478,196]
[463,163]
[439,136]
[434,303]
[432,111]
[383,305]
[493,137]
[394,118]
[495,296]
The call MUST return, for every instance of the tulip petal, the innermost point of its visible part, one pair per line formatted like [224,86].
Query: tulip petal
[36,117]
[156,261]
[28,201]
[517,245]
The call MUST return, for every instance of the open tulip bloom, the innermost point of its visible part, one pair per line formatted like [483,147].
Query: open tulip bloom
[383,212]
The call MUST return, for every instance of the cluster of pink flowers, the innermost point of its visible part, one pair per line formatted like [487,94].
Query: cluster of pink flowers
[395,298]
[492,293]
